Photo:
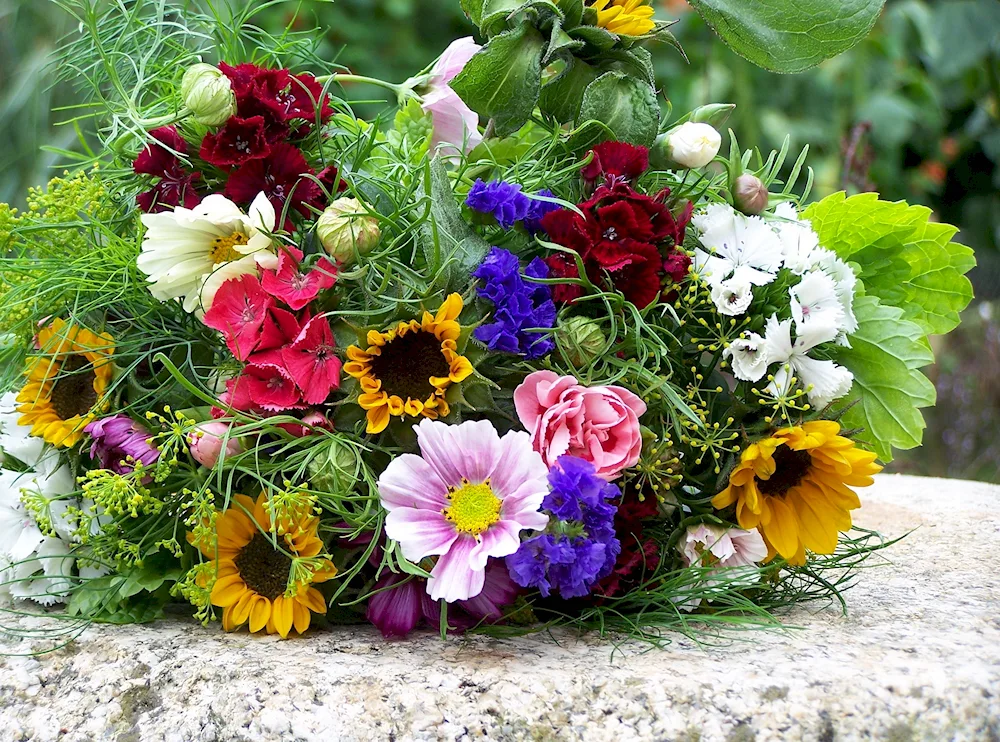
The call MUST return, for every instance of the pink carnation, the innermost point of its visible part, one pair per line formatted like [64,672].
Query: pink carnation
[598,424]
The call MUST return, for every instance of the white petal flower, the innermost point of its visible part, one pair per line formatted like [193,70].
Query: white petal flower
[748,357]
[16,440]
[800,247]
[733,296]
[693,144]
[824,381]
[846,282]
[815,299]
[183,247]
[739,243]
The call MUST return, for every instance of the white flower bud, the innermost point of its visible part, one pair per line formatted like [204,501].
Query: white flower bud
[208,94]
[693,145]
[344,227]
[581,340]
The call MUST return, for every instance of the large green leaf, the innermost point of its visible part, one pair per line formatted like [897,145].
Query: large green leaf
[904,258]
[789,35]
[501,82]
[885,356]
[625,105]
[451,247]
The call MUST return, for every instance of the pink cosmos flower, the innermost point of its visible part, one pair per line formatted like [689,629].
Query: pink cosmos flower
[238,312]
[466,498]
[455,124]
[269,386]
[598,424]
[205,442]
[312,361]
[707,545]
[294,287]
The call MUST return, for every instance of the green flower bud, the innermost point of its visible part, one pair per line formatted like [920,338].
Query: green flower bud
[335,468]
[345,227]
[208,94]
[581,340]
[749,194]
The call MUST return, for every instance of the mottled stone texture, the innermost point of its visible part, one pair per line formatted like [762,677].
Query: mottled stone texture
[917,658]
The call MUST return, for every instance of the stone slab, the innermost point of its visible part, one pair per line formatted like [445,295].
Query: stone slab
[916,658]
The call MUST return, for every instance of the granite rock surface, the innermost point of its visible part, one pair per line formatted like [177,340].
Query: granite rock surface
[917,657]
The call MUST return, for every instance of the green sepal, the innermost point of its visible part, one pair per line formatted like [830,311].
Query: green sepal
[474,10]
[637,62]
[624,105]
[599,38]
[503,80]
[560,42]
[561,97]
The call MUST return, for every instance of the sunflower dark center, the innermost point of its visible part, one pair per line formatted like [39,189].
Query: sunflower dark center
[790,468]
[407,363]
[73,392]
[263,568]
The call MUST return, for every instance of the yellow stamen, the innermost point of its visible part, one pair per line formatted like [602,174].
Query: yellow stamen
[223,248]
[474,507]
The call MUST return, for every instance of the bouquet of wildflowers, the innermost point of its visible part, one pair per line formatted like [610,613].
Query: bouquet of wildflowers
[533,352]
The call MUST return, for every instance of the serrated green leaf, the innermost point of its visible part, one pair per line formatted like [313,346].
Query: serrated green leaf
[903,258]
[885,356]
[502,81]
[789,35]
[625,105]
[451,247]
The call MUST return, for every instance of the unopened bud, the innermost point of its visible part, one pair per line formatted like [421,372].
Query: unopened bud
[208,94]
[749,194]
[345,227]
[335,468]
[690,145]
[581,340]
[206,442]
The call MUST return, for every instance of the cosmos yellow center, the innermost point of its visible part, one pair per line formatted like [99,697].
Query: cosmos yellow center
[224,248]
[474,507]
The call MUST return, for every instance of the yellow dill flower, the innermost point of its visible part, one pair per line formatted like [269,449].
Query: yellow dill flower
[66,383]
[795,487]
[252,568]
[627,17]
[406,370]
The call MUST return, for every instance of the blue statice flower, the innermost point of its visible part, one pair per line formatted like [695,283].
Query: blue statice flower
[518,305]
[579,547]
[509,204]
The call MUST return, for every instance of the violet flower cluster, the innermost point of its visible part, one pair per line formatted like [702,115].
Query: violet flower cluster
[509,204]
[119,442]
[519,304]
[580,546]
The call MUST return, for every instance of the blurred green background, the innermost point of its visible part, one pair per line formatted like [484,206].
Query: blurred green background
[913,113]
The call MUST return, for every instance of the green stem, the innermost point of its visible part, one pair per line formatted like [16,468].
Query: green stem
[342,78]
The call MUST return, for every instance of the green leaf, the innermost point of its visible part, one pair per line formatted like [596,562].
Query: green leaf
[597,37]
[474,10]
[885,355]
[559,42]
[905,259]
[502,81]
[561,97]
[451,247]
[624,104]
[789,35]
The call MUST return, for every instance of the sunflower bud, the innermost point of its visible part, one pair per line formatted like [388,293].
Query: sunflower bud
[335,468]
[749,194]
[345,227]
[208,94]
[581,340]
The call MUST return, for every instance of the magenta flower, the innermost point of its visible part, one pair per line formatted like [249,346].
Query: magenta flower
[239,141]
[120,442]
[456,126]
[396,611]
[281,176]
[466,498]
[294,287]
[312,361]
[176,185]
[239,310]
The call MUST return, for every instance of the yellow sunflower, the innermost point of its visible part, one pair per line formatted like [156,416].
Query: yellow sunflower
[66,383]
[795,488]
[406,370]
[252,575]
[627,17]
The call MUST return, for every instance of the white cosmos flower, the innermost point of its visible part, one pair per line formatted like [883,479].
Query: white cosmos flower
[735,242]
[732,297]
[814,299]
[183,248]
[748,357]
[824,380]
[800,247]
